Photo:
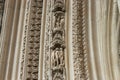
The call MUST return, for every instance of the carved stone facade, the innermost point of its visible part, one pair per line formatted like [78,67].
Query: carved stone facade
[31,44]
[60,40]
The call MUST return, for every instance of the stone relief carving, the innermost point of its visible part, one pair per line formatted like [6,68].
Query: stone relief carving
[54,44]
[54,47]
[79,40]
[32,40]
[58,42]
[54,53]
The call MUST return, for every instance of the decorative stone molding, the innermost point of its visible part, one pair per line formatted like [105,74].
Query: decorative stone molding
[57,50]
[80,41]
[54,53]
[60,40]
[31,40]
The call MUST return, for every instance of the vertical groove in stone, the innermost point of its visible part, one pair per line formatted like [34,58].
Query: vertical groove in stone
[80,39]
[23,50]
[46,54]
[2,2]
[119,42]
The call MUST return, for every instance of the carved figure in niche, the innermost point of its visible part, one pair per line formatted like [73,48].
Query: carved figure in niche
[56,55]
[59,19]
[62,22]
[57,22]
[53,59]
[61,56]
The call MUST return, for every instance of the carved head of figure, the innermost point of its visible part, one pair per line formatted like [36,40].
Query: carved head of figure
[57,49]
[61,49]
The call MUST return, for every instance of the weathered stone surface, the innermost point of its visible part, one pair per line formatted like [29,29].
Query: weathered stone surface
[35,40]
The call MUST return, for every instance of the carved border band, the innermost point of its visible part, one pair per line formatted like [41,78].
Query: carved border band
[54,53]
[31,44]
[80,39]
